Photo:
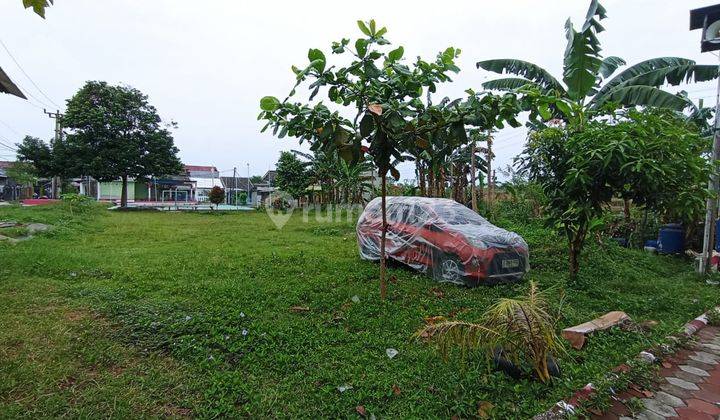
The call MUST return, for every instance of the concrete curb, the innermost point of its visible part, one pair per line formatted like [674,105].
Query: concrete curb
[565,408]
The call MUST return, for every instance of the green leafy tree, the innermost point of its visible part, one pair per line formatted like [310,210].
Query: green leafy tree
[587,85]
[382,94]
[24,173]
[292,175]
[216,195]
[116,133]
[652,157]
[323,168]
[256,179]
[39,154]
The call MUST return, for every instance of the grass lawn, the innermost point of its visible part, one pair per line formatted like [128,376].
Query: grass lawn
[155,313]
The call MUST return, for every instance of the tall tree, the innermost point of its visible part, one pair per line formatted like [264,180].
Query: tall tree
[587,84]
[38,153]
[116,133]
[292,175]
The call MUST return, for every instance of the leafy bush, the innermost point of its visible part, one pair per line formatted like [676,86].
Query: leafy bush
[216,195]
[713,317]
[77,203]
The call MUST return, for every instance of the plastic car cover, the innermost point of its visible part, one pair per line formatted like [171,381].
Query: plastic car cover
[443,238]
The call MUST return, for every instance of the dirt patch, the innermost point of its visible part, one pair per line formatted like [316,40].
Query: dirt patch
[76,315]
[172,410]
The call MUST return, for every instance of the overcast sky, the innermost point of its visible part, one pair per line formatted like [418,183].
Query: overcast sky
[205,64]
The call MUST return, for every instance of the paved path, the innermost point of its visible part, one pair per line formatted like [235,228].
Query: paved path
[689,388]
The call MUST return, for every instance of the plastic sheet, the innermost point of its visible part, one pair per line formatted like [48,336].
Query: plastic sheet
[443,238]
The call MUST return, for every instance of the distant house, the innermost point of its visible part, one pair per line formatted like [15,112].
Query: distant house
[205,178]
[196,171]
[265,188]
[235,186]
[9,190]
[171,188]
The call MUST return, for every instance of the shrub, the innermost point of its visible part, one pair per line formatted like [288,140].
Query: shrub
[76,202]
[713,317]
[216,195]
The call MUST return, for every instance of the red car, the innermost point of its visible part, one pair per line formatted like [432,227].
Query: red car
[444,238]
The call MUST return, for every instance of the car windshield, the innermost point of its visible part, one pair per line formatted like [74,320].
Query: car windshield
[457,214]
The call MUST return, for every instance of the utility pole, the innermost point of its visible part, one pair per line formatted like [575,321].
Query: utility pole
[234,196]
[491,187]
[714,186]
[58,137]
[247,200]
[473,192]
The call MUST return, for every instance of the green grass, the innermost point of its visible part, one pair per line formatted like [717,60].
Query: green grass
[14,232]
[199,307]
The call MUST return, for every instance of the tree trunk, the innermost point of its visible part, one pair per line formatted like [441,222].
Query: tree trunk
[473,188]
[430,183]
[490,183]
[576,245]
[626,209]
[383,267]
[574,263]
[124,193]
[421,178]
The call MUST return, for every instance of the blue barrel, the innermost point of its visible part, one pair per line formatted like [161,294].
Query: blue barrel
[671,239]
[652,243]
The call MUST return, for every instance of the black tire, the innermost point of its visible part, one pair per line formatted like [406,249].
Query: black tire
[447,268]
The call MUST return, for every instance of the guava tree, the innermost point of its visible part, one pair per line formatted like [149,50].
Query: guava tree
[587,84]
[377,107]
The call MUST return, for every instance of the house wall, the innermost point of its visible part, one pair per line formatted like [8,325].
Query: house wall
[141,191]
[113,190]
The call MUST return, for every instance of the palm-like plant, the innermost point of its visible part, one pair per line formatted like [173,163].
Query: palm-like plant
[521,329]
[353,180]
[322,167]
[587,84]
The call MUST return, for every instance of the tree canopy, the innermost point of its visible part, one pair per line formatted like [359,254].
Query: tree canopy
[115,134]
[654,157]
[292,175]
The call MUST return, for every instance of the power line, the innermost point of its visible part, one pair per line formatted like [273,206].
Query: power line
[9,127]
[27,75]
[7,147]
[31,96]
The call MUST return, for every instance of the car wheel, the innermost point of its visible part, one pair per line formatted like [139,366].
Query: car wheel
[447,267]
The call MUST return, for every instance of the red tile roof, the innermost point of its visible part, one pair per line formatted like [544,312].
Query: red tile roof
[5,164]
[197,168]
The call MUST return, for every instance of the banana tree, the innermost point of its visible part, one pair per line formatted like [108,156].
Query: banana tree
[353,180]
[588,85]
[322,167]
